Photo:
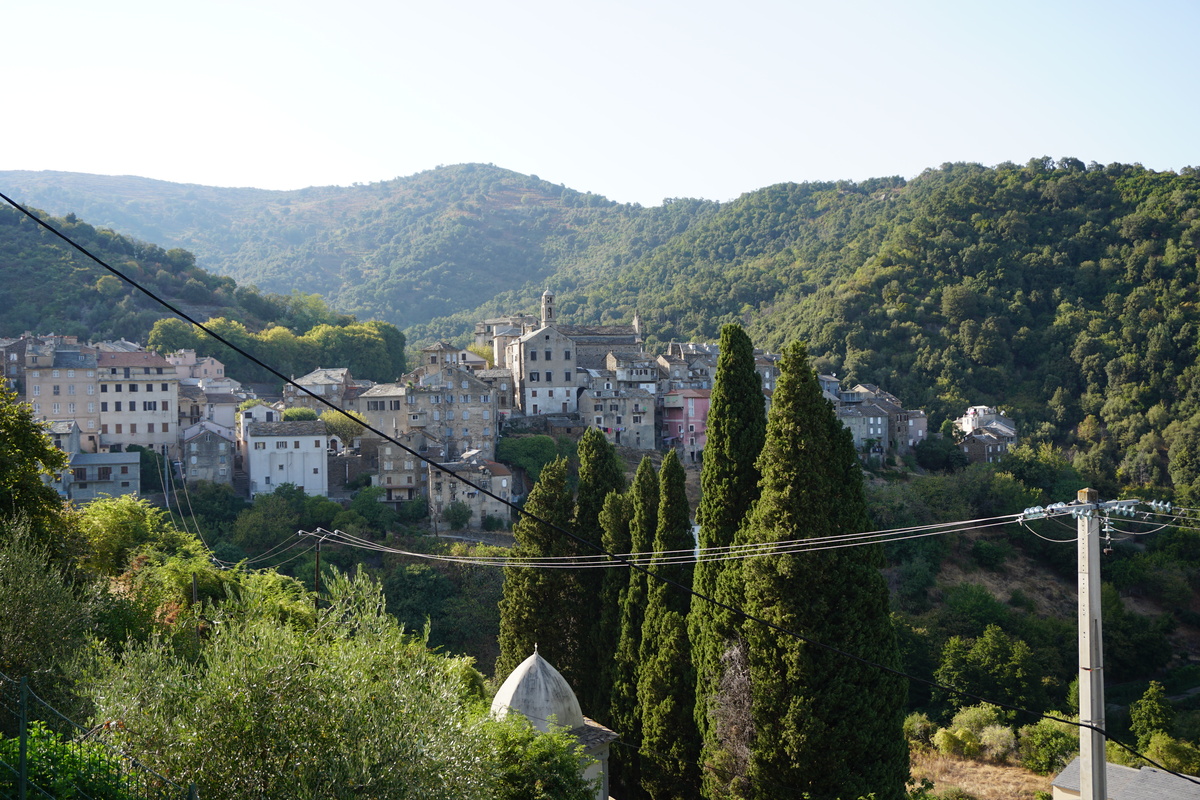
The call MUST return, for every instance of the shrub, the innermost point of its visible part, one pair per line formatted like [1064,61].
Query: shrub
[457,515]
[999,742]
[918,729]
[957,742]
[976,718]
[1047,745]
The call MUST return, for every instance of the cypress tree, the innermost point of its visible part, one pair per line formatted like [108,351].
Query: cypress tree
[531,609]
[626,716]
[823,724]
[666,695]
[600,473]
[614,522]
[737,424]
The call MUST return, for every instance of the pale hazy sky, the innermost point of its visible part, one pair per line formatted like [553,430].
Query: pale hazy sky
[636,101]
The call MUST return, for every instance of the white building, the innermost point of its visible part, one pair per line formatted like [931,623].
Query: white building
[286,452]
[538,691]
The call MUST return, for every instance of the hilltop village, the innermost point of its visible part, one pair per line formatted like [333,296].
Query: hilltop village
[106,401]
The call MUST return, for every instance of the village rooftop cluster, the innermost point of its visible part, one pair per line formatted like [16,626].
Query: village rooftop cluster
[100,399]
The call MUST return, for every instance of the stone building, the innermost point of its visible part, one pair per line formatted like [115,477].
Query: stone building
[624,416]
[446,402]
[61,383]
[139,397]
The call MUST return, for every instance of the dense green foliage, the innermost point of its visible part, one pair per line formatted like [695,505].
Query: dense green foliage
[805,696]
[371,350]
[666,679]
[737,424]
[88,301]
[600,474]
[625,710]
[346,706]
[533,611]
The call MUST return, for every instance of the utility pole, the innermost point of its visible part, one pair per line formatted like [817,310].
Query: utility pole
[1093,766]
[1087,509]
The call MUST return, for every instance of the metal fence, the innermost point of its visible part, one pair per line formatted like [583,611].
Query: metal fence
[45,755]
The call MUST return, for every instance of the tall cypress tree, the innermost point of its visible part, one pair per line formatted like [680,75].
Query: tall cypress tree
[531,609]
[600,474]
[614,522]
[626,716]
[666,696]
[737,424]
[823,723]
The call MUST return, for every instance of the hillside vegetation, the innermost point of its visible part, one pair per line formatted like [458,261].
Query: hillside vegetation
[1061,291]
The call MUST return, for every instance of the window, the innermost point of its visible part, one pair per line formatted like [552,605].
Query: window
[79,473]
[566,355]
[124,470]
[314,470]
[54,373]
[70,408]
[281,467]
[166,427]
[532,354]
[281,445]
[548,352]
[70,388]
[260,445]
[37,391]
[164,404]
[57,408]
[118,428]
[133,427]
[117,406]
[91,389]
[533,393]
[636,419]
[133,387]
[316,443]
[92,407]
[599,421]
[535,376]
[163,388]
[104,473]
[104,388]
[150,387]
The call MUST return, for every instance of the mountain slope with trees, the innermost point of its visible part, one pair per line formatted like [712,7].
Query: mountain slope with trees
[404,250]
[1064,292]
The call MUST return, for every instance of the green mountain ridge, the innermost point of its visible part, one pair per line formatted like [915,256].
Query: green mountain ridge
[1064,292]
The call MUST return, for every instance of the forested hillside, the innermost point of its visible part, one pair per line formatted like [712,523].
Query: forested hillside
[404,250]
[1061,291]
[49,287]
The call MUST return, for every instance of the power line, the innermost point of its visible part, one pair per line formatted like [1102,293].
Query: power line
[740,613]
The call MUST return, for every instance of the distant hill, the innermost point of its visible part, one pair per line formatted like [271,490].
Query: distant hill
[405,251]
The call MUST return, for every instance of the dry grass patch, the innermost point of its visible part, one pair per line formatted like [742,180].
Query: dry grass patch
[980,780]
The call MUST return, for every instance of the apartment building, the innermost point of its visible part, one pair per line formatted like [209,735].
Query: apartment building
[138,395]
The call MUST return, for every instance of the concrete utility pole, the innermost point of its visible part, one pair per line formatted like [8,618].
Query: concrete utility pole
[1093,767]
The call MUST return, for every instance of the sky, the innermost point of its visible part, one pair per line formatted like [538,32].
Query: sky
[636,101]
